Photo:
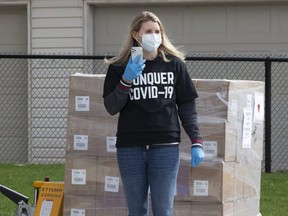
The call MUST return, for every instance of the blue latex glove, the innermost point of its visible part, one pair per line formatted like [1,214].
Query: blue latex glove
[134,68]
[197,155]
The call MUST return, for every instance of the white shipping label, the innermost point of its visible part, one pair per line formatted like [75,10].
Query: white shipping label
[46,208]
[200,188]
[77,212]
[259,107]
[82,103]
[247,128]
[78,177]
[249,101]
[111,144]
[81,142]
[112,184]
[210,148]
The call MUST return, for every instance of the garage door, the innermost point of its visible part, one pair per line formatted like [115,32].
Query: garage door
[13,86]
[224,29]
[13,30]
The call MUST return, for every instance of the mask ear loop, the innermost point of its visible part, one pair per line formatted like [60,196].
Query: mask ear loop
[135,40]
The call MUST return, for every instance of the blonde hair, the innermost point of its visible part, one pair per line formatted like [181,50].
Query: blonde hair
[165,47]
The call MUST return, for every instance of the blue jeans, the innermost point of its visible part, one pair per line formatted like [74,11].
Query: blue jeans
[141,168]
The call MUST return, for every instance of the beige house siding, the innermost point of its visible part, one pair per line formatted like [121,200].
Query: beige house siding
[56,28]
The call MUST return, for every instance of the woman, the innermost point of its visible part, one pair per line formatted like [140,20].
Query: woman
[150,95]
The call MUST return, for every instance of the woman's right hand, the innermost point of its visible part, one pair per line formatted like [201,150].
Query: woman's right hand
[134,68]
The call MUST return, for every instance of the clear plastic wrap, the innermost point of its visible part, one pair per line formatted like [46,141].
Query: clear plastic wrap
[227,183]
[228,131]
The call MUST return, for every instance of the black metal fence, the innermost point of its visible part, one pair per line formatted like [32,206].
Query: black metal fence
[34,101]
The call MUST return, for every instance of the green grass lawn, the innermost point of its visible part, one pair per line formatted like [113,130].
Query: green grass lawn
[21,177]
[274,187]
[274,194]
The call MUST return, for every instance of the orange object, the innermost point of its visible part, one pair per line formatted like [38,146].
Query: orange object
[48,198]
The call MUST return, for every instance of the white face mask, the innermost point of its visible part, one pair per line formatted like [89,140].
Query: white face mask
[151,42]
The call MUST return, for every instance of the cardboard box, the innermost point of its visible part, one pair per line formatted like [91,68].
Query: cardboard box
[225,182]
[91,136]
[224,140]
[219,141]
[222,108]
[76,205]
[85,95]
[92,176]
[94,205]
[212,182]
[224,100]
[212,103]
[248,207]
[80,176]
[202,209]
[248,179]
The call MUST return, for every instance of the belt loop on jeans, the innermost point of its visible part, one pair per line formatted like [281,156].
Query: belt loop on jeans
[147,147]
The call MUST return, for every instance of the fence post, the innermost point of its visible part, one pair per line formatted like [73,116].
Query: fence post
[268,115]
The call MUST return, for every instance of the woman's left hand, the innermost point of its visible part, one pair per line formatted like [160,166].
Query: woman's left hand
[197,155]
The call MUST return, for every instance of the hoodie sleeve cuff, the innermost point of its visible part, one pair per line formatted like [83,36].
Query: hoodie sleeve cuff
[196,145]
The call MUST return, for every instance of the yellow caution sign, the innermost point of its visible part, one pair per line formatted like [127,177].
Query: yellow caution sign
[49,196]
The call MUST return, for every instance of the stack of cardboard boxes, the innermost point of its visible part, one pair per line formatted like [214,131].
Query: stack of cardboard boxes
[226,183]
[231,116]
[92,180]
